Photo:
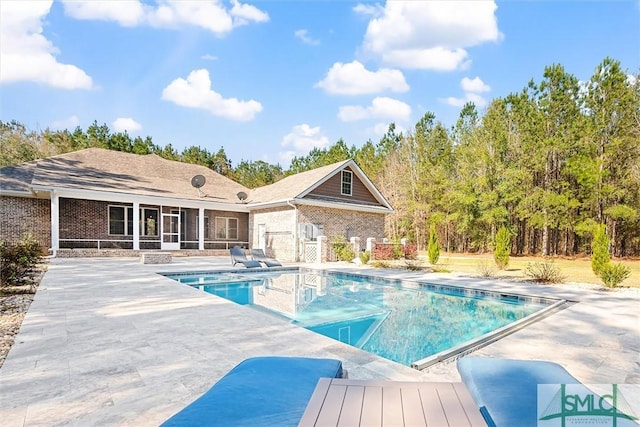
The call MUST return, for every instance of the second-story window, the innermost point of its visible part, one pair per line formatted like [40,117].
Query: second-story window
[347,183]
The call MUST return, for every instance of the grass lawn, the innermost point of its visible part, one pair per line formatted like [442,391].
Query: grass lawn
[575,270]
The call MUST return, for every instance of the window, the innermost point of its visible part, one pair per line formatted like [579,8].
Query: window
[148,222]
[226,228]
[347,183]
[121,215]
[311,231]
[121,220]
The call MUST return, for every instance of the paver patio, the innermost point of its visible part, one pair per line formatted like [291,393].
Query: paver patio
[107,341]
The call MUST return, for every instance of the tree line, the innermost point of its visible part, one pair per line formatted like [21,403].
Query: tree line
[549,163]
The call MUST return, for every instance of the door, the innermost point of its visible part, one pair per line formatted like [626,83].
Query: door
[170,232]
[262,237]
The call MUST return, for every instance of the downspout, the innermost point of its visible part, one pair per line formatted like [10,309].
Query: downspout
[295,231]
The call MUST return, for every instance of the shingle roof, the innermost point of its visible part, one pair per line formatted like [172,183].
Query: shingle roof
[97,169]
[113,171]
[18,177]
[293,185]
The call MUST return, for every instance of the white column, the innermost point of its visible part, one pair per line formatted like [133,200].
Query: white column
[370,242]
[55,222]
[355,245]
[201,229]
[322,249]
[136,226]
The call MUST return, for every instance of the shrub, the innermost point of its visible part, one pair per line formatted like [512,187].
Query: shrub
[502,248]
[412,264]
[434,247]
[381,264]
[343,250]
[613,275]
[365,257]
[599,250]
[398,251]
[545,272]
[19,262]
[383,251]
[410,251]
[486,269]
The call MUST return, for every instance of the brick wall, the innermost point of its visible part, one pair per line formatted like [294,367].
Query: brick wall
[336,222]
[21,215]
[85,219]
[279,231]
[345,223]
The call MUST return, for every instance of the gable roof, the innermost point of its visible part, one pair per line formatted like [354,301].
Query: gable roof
[296,187]
[98,169]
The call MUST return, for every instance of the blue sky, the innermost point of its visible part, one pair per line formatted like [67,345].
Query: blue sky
[268,80]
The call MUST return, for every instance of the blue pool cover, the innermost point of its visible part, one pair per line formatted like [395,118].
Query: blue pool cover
[260,391]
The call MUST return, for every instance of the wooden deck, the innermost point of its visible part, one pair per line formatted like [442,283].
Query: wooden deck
[346,402]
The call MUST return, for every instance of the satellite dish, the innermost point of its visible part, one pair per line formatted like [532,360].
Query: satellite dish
[198,181]
[242,196]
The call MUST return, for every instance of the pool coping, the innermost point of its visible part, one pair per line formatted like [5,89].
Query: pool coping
[552,305]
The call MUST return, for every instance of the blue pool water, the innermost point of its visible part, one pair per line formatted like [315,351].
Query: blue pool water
[401,321]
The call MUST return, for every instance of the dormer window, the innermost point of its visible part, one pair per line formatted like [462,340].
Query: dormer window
[347,183]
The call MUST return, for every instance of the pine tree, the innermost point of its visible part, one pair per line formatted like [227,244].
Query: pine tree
[600,257]
[434,247]
[502,248]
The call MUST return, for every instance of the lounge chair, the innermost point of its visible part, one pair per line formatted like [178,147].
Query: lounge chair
[506,390]
[260,391]
[238,256]
[258,255]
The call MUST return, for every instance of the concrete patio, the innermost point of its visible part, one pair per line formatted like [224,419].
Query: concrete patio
[107,341]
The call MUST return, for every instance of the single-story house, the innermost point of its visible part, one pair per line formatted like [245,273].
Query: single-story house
[98,202]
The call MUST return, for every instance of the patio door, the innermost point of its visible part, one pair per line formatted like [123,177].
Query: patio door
[170,231]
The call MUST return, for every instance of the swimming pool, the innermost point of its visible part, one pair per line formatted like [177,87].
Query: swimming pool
[413,323]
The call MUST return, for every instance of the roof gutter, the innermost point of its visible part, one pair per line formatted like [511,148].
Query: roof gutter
[322,203]
[145,199]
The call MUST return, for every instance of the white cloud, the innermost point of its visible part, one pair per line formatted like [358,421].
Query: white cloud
[631,79]
[472,89]
[374,10]
[122,124]
[196,92]
[245,12]
[381,128]
[302,139]
[303,35]
[354,79]
[475,85]
[68,123]
[436,58]
[126,13]
[27,55]
[209,57]
[430,35]
[478,100]
[211,15]
[380,108]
